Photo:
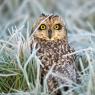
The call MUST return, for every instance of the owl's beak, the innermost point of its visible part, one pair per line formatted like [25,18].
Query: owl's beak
[49,33]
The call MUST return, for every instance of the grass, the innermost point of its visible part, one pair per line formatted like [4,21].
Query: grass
[19,69]
[19,72]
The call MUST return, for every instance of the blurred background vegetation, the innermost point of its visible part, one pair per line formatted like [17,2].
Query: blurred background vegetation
[79,16]
[16,21]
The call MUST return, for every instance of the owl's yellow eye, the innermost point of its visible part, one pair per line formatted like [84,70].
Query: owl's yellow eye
[57,27]
[42,27]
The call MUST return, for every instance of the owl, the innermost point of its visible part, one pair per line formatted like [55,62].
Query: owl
[50,36]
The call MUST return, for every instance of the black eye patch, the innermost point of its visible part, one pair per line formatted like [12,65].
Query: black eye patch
[42,27]
[57,26]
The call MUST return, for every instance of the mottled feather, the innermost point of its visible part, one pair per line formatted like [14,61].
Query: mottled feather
[53,51]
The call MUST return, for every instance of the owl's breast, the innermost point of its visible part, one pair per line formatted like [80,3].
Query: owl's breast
[51,53]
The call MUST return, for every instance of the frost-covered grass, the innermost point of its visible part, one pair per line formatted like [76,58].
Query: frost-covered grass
[19,69]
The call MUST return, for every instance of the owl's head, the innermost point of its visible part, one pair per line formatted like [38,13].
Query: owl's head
[50,28]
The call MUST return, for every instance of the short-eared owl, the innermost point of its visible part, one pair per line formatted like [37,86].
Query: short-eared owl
[50,35]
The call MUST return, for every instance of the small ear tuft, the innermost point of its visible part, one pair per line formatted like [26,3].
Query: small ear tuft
[56,16]
[43,14]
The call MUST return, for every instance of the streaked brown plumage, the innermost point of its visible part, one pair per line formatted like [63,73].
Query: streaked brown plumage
[51,37]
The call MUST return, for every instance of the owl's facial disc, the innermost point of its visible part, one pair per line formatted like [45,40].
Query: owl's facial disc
[52,29]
